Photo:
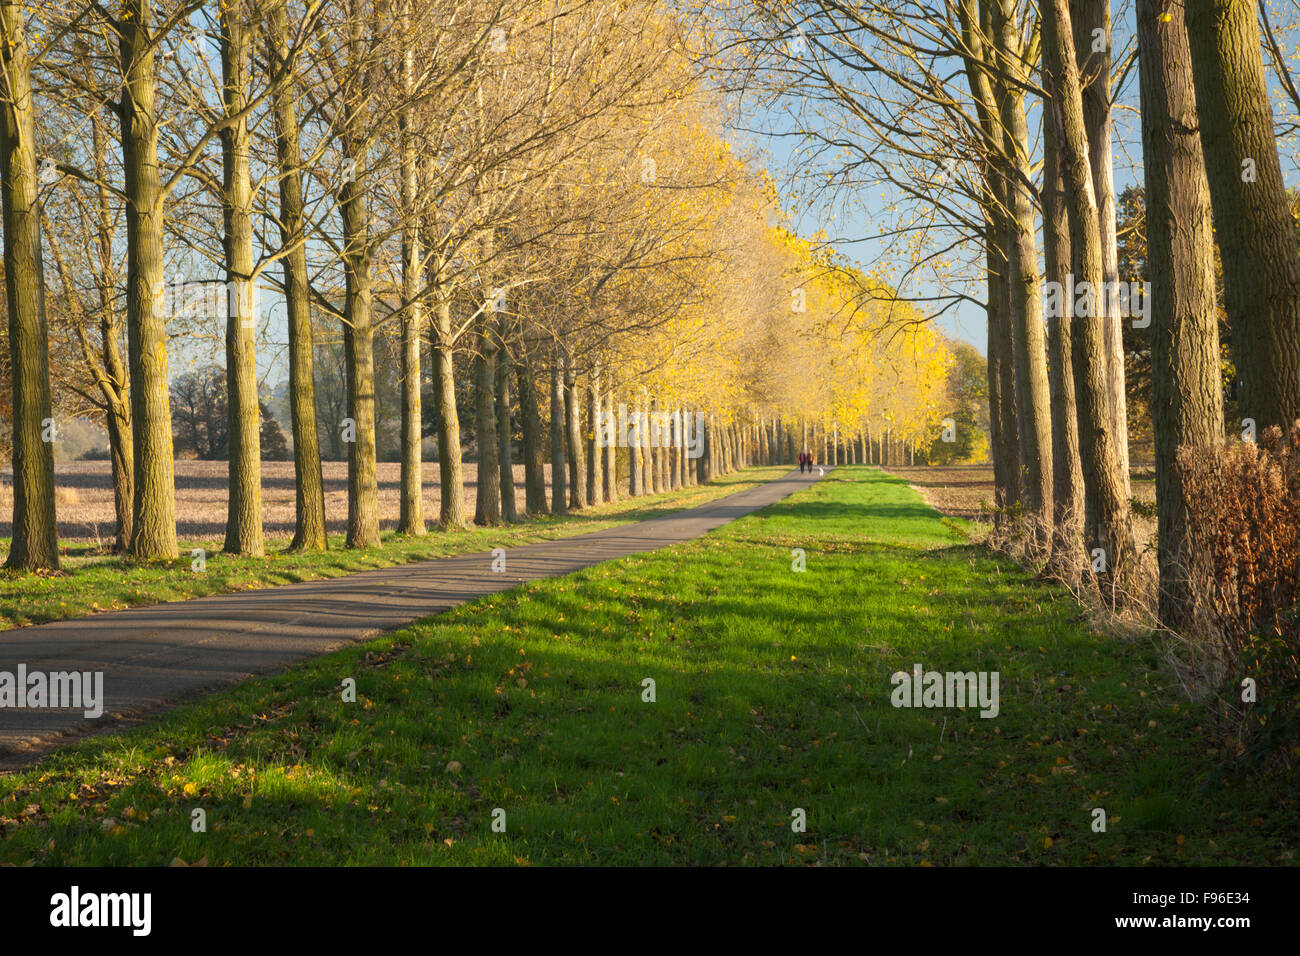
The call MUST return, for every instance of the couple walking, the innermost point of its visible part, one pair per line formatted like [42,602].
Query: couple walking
[805,462]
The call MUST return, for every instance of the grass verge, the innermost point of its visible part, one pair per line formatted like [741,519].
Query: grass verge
[772,694]
[91,581]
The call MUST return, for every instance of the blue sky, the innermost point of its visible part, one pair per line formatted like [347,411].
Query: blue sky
[767,132]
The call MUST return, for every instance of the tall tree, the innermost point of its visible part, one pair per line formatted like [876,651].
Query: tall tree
[1067,476]
[531,419]
[559,496]
[1092,40]
[1252,217]
[1032,395]
[411,520]
[450,469]
[1186,395]
[244,498]
[487,499]
[1107,519]
[309,489]
[153,532]
[505,431]
[97,309]
[35,544]
[573,436]
[595,484]
[355,135]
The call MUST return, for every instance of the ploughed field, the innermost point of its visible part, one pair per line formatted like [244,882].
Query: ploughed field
[85,498]
[966,491]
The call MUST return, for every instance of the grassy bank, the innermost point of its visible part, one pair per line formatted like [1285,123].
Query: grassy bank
[772,694]
[92,581]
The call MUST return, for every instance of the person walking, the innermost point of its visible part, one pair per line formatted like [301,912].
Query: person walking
[801,460]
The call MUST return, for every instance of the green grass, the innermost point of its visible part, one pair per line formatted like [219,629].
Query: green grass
[92,581]
[773,693]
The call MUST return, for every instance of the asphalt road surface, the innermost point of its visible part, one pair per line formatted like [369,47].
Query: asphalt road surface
[153,657]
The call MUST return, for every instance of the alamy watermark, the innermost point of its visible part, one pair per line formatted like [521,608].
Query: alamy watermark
[962,689]
[651,430]
[210,299]
[35,690]
[75,909]
[1083,300]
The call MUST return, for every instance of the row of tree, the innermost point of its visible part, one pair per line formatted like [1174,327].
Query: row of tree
[530,205]
[990,124]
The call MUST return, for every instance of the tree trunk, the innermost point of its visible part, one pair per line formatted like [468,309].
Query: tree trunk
[676,451]
[595,489]
[1094,68]
[665,453]
[358,321]
[1186,393]
[35,543]
[611,452]
[505,431]
[113,383]
[1004,465]
[1252,214]
[534,457]
[1067,484]
[309,490]
[654,450]
[634,458]
[487,499]
[1107,524]
[358,348]
[118,423]
[411,518]
[644,481]
[110,370]
[717,448]
[1032,395]
[693,464]
[153,527]
[976,23]
[573,422]
[244,498]
[411,511]
[707,461]
[451,476]
[559,494]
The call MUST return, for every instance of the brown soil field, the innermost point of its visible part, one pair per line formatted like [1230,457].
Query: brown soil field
[966,491]
[84,498]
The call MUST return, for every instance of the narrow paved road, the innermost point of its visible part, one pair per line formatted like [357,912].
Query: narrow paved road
[153,656]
